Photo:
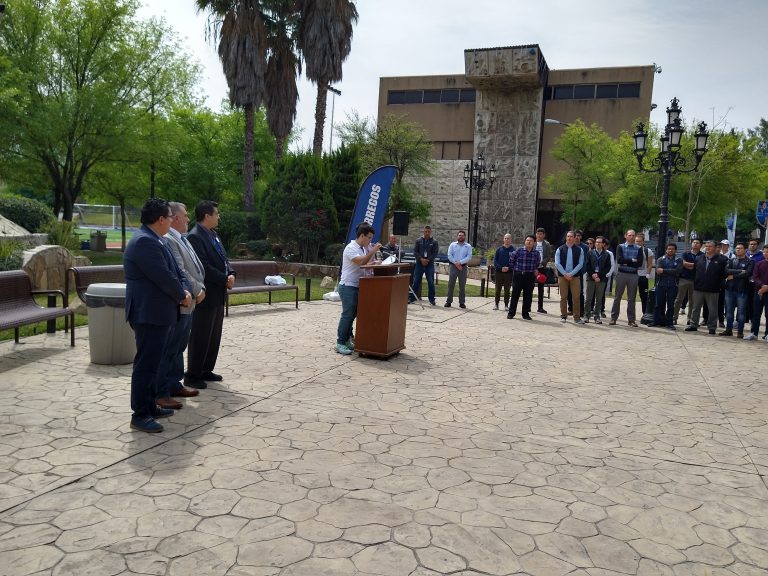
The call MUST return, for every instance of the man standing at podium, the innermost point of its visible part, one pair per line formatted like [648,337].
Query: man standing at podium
[358,252]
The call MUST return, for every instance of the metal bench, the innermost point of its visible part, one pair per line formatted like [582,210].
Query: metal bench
[250,276]
[84,276]
[19,308]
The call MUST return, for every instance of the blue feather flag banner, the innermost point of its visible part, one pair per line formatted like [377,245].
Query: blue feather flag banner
[372,200]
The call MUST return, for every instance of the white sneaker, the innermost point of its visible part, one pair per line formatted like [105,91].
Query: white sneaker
[765,338]
[580,321]
[495,306]
[563,319]
[750,336]
[342,349]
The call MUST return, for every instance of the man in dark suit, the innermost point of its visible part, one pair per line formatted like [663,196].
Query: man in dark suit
[208,319]
[155,290]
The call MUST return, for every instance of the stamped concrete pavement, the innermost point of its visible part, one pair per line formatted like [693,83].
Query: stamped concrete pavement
[488,446]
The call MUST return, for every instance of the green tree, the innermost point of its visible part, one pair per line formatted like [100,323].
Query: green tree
[239,28]
[298,207]
[325,40]
[344,165]
[394,140]
[760,132]
[83,69]
[283,67]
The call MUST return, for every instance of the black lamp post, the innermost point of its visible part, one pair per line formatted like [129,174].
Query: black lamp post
[669,160]
[476,177]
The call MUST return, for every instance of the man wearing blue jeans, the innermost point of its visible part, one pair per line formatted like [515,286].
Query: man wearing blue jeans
[739,274]
[425,251]
[358,252]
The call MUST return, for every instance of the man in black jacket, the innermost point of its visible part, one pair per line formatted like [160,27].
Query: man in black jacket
[736,287]
[710,272]
[208,319]
[668,270]
[599,267]
[425,251]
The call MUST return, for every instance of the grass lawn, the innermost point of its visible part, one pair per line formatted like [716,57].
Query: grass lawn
[112,234]
[103,258]
[316,293]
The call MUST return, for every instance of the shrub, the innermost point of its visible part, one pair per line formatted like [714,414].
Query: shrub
[63,234]
[332,254]
[262,249]
[31,214]
[236,227]
[10,255]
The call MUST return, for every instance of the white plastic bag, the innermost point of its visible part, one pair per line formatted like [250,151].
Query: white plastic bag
[274,280]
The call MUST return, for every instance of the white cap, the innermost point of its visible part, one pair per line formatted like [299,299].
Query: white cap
[726,242]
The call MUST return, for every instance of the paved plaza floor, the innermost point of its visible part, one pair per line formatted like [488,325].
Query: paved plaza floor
[488,446]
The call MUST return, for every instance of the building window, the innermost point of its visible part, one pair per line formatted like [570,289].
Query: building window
[449,96]
[607,90]
[629,90]
[413,96]
[446,95]
[584,92]
[563,92]
[396,97]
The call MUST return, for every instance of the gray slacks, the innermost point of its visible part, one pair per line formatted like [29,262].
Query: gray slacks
[699,299]
[453,274]
[628,281]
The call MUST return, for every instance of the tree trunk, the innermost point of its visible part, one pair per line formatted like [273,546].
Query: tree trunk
[248,159]
[279,147]
[322,99]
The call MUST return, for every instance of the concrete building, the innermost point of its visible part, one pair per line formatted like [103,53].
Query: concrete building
[497,108]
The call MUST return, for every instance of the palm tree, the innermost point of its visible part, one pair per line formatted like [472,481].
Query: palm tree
[325,40]
[283,66]
[239,27]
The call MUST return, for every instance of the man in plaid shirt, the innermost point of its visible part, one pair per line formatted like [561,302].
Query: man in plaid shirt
[524,263]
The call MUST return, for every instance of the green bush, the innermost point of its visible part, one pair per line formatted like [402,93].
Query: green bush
[31,214]
[236,227]
[262,249]
[10,255]
[332,254]
[63,234]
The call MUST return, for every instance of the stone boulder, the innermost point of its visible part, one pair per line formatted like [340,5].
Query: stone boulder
[47,266]
[327,282]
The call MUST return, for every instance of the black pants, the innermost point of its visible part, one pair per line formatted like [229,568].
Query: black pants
[541,287]
[503,280]
[205,339]
[522,282]
[151,341]
[664,313]
[642,288]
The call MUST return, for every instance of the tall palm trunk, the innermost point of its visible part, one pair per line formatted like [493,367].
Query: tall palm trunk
[322,102]
[248,203]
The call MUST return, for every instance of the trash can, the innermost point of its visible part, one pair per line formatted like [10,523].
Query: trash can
[98,241]
[110,336]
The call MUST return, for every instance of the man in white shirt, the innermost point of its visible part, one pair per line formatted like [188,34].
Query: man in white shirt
[459,253]
[357,253]
[644,272]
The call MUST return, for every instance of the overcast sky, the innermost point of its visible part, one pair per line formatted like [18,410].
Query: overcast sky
[712,52]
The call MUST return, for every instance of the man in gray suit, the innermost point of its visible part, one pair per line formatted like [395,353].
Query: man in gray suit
[172,365]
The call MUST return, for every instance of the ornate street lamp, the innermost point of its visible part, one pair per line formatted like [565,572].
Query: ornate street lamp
[476,177]
[669,161]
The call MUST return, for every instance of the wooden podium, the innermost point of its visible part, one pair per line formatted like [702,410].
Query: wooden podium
[382,308]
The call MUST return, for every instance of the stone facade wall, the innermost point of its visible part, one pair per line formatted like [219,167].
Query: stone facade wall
[507,133]
[449,197]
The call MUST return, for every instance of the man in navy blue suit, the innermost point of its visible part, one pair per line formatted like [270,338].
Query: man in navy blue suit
[155,290]
[208,319]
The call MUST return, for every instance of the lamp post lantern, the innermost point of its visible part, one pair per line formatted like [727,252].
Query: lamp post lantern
[669,160]
[476,177]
